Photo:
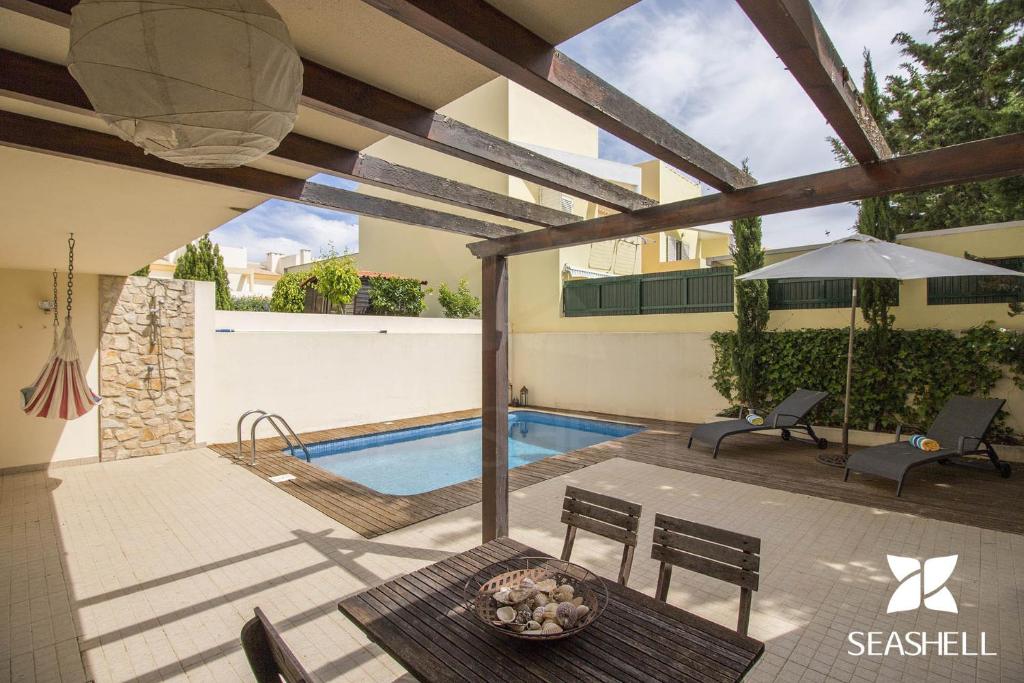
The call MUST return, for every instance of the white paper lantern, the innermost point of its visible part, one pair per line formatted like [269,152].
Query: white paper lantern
[205,83]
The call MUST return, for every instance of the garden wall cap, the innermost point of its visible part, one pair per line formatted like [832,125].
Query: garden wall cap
[860,255]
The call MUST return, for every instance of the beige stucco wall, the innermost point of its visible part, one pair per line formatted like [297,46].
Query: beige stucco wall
[659,375]
[26,335]
[433,255]
[503,109]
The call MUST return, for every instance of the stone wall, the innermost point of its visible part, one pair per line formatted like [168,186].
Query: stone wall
[147,366]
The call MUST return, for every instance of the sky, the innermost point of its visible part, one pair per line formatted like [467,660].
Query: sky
[701,65]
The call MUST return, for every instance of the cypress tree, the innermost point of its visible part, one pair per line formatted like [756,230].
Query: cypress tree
[203,261]
[751,310]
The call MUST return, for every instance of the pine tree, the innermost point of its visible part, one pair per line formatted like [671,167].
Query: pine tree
[751,309]
[965,83]
[202,261]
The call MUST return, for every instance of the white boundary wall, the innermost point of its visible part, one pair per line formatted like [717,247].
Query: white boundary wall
[324,371]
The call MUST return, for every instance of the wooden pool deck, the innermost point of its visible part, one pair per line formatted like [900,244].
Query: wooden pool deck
[954,494]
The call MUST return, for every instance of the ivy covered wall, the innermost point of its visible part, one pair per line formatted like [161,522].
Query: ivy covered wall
[930,366]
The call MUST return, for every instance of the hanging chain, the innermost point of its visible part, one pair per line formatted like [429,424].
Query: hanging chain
[56,321]
[71,269]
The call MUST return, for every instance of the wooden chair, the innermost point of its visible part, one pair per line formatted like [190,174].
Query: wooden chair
[605,516]
[268,655]
[718,553]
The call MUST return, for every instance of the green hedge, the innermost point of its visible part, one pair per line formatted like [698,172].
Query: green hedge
[930,366]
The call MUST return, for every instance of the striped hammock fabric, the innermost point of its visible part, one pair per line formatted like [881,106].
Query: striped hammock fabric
[60,392]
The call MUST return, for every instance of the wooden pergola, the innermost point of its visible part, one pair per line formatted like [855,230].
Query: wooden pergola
[483,34]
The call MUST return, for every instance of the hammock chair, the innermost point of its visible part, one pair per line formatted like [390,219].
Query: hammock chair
[60,391]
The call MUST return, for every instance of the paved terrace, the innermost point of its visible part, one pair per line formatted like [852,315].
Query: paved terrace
[145,570]
[956,494]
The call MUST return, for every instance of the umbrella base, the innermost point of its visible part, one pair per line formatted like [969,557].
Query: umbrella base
[833,459]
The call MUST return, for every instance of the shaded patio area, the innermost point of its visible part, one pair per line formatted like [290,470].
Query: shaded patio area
[150,567]
[955,494]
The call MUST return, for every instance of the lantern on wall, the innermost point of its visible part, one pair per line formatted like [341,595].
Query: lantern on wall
[524,397]
[203,83]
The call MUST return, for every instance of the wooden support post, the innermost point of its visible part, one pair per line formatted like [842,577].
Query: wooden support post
[495,397]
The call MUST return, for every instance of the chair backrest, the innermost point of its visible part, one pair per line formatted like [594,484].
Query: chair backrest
[269,657]
[796,406]
[964,416]
[613,518]
[718,553]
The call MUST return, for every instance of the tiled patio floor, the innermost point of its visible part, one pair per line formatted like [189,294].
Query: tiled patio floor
[149,567]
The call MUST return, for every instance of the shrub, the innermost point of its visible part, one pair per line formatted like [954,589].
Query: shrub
[459,303]
[927,368]
[396,296]
[253,302]
[337,279]
[289,296]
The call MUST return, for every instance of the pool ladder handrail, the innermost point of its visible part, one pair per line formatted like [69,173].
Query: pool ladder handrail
[275,421]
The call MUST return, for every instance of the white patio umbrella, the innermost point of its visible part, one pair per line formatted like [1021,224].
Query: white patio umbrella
[862,256]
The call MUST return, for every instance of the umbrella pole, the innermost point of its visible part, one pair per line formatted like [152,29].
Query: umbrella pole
[849,371]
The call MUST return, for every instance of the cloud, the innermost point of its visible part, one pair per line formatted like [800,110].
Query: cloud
[704,67]
[285,227]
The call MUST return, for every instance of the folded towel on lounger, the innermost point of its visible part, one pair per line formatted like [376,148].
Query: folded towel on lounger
[924,443]
[755,420]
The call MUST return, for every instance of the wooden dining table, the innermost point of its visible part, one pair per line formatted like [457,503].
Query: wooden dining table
[424,621]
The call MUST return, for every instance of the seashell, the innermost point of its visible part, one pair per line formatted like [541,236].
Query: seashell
[533,625]
[523,614]
[563,593]
[527,583]
[520,595]
[566,614]
[550,610]
[506,615]
[538,614]
[502,596]
[518,628]
[541,599]
[545,586]
[577,601]
[581,611]
[550,627]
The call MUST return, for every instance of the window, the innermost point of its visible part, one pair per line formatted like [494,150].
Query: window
[978,290]
[675,249]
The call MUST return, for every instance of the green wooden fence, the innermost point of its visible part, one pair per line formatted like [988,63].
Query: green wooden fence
[701,290]
[979,290]
[794,294]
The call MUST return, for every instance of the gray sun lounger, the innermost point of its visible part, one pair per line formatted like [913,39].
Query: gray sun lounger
[960,430]
[789,415]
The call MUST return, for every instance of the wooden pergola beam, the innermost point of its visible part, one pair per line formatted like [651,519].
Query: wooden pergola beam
[969,162]
[37,135]
[345,97]
[477,30]
[342,96]
[42,82]
[794,31]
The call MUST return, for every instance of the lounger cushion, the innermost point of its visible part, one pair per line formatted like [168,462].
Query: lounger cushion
[893,460]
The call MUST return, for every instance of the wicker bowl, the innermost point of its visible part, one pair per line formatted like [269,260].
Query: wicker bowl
[482,586]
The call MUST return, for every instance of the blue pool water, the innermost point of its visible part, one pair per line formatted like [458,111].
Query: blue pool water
[420,459]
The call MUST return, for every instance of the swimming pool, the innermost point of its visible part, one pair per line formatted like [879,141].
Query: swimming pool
[420,459]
